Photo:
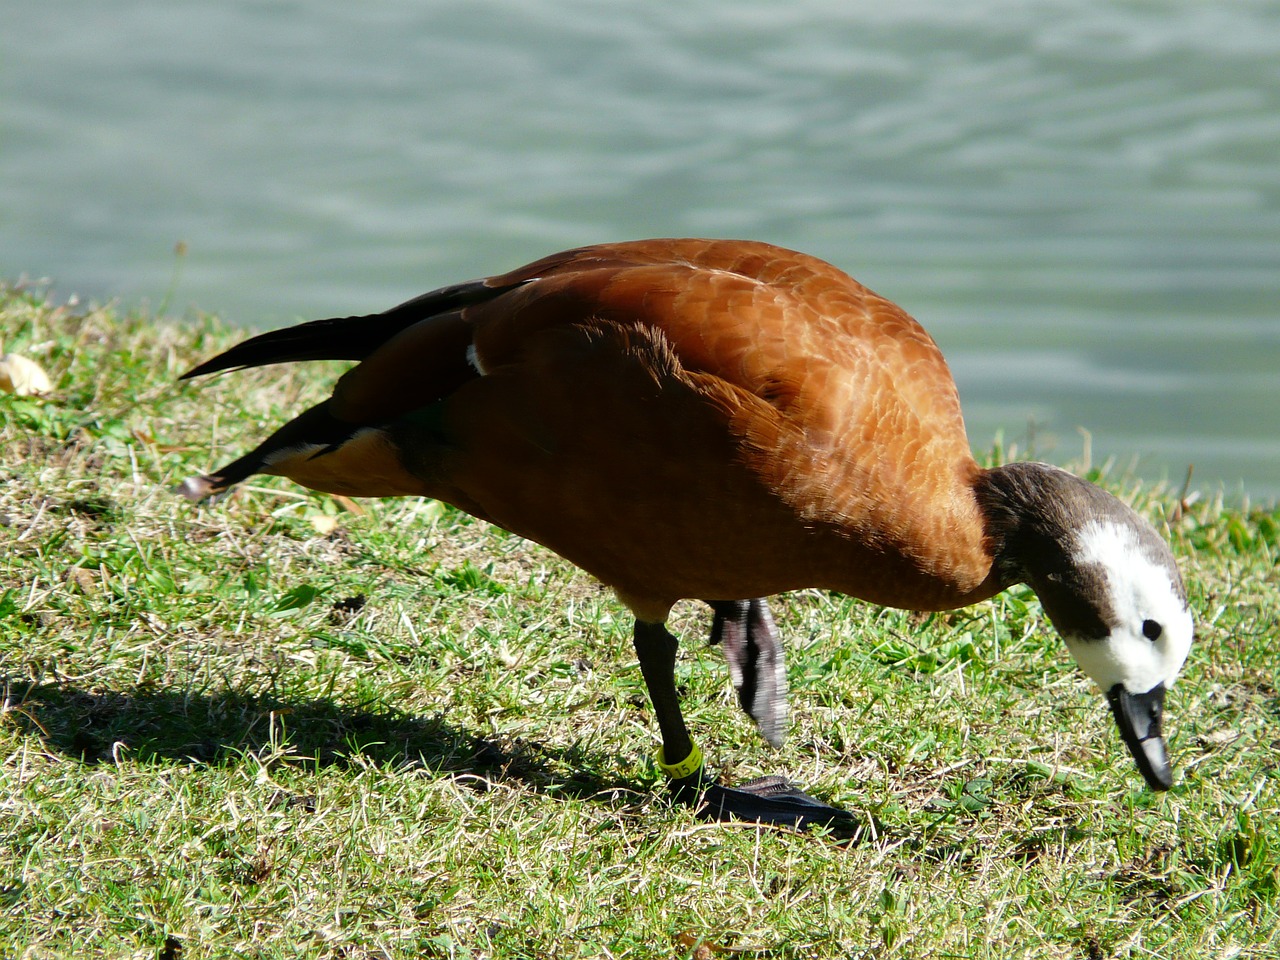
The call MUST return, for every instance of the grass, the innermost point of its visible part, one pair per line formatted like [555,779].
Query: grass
[278,726]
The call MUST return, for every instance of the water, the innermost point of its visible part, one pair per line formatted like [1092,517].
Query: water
[1080,199]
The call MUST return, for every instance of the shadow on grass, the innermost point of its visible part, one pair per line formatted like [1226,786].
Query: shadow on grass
[223,728]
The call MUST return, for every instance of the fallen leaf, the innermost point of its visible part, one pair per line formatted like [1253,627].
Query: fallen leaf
[324,524]
[700,949]
[22,376]
[703,949]
[85,580]
[351,506]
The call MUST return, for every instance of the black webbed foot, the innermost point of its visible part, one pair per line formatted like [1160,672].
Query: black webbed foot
[772,800]
[757,665]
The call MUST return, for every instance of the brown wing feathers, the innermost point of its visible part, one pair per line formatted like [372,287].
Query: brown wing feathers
[825,406]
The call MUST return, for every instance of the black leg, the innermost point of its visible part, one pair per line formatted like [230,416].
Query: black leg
[767,800]
[680,758]
[656,648]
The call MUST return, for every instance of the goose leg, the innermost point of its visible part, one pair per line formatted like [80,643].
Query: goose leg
[757,665]
[767,800]
[679,759]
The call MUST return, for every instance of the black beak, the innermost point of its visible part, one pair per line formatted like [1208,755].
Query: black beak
[1138,716]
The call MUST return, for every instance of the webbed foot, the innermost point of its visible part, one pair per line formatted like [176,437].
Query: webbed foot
[772,799]
[757,665]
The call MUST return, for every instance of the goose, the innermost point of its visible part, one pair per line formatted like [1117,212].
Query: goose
[723,421]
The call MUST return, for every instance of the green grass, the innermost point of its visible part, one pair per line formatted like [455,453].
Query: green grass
[225,732]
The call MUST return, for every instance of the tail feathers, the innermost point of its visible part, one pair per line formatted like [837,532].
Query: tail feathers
[315,431]
[199,488]
[196,489]
[347,338]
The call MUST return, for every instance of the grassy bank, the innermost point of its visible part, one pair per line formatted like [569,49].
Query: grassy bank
[284,725]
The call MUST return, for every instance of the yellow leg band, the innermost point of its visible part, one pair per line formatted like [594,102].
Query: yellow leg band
[685,768]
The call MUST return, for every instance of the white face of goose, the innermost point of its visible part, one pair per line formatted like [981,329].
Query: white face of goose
[1150,622]
[1139,639]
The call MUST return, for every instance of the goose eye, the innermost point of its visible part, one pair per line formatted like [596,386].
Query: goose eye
[1151,630]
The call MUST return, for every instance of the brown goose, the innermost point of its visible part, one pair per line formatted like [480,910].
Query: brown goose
[723,421]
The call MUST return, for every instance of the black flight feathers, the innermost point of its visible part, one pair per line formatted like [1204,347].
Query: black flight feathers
[346,338]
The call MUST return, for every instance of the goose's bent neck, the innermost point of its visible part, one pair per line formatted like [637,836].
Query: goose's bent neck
[1017,523]
[1034,513]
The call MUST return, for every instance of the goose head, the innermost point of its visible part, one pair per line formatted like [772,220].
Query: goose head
[1110,587]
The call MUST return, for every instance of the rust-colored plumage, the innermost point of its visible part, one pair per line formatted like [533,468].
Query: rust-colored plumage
[717,420]
[682,419]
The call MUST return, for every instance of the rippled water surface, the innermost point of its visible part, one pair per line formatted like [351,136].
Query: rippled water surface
[1080,199]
